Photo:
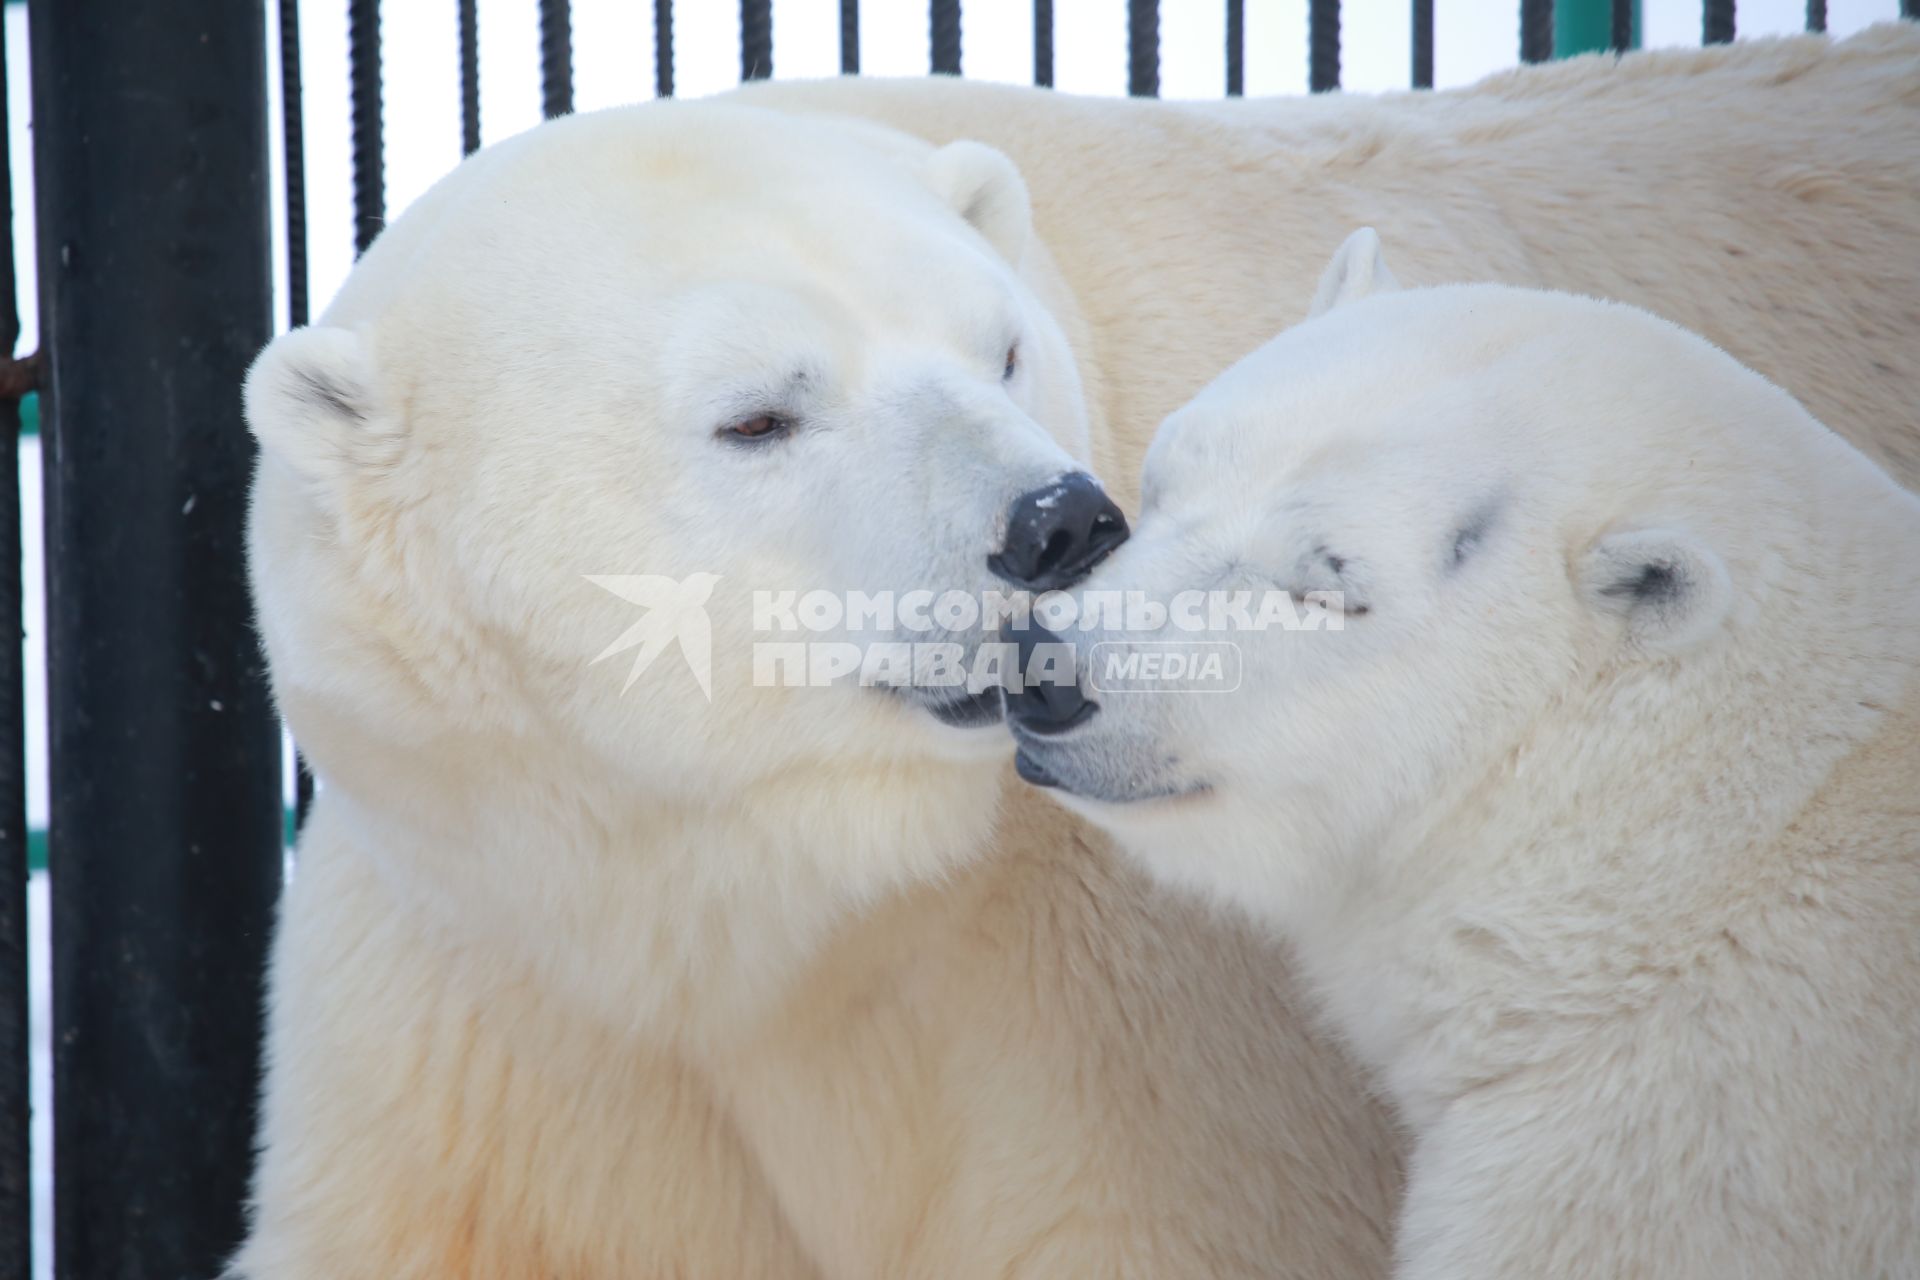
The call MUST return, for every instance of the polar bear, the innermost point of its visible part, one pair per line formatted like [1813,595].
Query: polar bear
[1765,194]
[1589,796]
[710,977]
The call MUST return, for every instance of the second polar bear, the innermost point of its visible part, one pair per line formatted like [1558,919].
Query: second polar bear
[1596,821]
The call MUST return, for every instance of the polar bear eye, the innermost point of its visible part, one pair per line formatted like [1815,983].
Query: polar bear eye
[1013,363]
[763,427]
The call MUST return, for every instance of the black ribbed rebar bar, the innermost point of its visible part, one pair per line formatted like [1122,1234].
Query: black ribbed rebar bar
[849,37]
[1910,9]
[556,58]
[294,148]
[1423,44]
[1323,45]
[1043,43]
[1536,30]
[469,77]
[293,142]
[663,48]
[756,39]
[1143,48]
[1816,15]
[1716,22]
[16,1160]
[369,148]
[1236,48]
[943,33]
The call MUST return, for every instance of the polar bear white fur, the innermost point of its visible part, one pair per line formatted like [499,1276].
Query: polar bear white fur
[1596,824]
[435,1107]
[700,978]
[1765,194]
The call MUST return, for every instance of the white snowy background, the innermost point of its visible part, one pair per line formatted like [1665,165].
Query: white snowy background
[613,63]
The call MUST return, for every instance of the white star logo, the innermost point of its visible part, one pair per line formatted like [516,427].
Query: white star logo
[675,611]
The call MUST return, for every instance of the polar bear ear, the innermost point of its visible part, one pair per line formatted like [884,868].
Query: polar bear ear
[1673,589]
[985,188]
[1358,269]
[311,403]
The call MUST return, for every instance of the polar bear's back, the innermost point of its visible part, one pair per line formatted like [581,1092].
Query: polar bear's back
[1765,194]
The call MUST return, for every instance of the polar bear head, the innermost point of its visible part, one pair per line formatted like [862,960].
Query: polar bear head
[589,419]
[1463,549]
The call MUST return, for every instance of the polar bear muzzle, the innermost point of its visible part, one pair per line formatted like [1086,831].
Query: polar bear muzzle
[1057,533]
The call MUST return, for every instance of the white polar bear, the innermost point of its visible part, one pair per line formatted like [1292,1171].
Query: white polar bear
[1596,824]
[584,982]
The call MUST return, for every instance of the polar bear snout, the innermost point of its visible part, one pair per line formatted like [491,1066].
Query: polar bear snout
[1057,533]
[1046,700]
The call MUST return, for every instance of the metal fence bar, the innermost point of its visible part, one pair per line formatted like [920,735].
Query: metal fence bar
[663,48]
[1536,30]
[1043,43]
[369,146]
[943,32]
[849,37]
[556,58]
[165,750]
[293,144]
[1143,48]
[1910,9]
[1236,48]
[1620,26]
[469,77]
[1716,22]
[1816,15]
[16,1162]
[1323,45]
[1423,44]
[756,39]
[293,149]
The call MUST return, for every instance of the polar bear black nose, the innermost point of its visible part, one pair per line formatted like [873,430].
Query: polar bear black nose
[1046,699]
[1057,533]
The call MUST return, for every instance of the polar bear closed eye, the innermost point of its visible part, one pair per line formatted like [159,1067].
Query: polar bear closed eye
[1594,815]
